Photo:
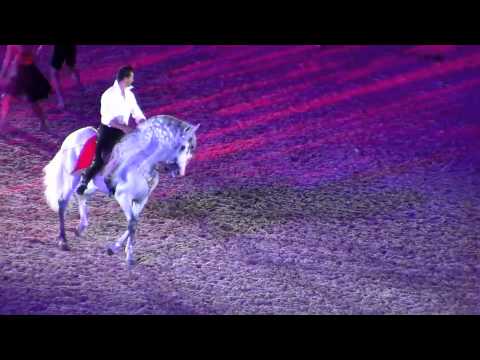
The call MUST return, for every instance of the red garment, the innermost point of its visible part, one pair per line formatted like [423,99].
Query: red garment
[87,155]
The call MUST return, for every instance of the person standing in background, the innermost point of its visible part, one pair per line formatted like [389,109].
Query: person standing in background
[63,54]
[23,79]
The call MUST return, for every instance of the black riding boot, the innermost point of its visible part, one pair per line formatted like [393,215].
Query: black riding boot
[111,188]
[83,185]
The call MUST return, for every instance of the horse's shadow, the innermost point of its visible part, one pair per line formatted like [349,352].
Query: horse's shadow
[265,226]
[38,300]
[246,210]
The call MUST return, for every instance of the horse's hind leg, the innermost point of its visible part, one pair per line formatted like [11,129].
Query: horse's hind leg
[62,207]
[62,238]
[83,210]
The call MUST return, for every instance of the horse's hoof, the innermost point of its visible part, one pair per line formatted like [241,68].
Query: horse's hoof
[80,230]
[131,262]
[64,246]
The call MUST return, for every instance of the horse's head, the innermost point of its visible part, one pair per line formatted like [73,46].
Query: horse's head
[184,151]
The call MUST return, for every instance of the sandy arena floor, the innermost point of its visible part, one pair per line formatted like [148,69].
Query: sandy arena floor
[328,180]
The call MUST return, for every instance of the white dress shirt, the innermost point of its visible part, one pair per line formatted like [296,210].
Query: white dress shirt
[114,104]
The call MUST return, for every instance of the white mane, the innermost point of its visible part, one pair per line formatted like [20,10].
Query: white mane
[156,140]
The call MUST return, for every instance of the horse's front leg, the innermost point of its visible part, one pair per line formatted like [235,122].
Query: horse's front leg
[132,209]
[132,228]
[154,182]
[115,247]
[136,209]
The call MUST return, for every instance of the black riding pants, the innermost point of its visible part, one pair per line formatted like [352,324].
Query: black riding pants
[106,139]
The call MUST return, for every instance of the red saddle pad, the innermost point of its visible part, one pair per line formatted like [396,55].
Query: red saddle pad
[87,154]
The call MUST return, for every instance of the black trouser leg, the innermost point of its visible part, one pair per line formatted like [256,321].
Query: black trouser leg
[97,165]
[107,138]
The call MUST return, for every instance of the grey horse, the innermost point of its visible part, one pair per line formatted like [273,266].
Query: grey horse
[162,140]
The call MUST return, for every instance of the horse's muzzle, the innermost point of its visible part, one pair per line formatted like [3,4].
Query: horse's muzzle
[173,169]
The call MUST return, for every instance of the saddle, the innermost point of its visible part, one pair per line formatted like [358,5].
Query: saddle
[86,158]
[87,154]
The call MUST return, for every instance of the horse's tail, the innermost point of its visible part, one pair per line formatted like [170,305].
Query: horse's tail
[58,176]
[53,180]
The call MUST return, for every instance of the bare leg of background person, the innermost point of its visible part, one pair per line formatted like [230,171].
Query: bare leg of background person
[5,107]
[37,109]
[55,76]
[76,77]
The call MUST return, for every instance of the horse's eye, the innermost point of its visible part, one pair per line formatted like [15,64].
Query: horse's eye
[182,148]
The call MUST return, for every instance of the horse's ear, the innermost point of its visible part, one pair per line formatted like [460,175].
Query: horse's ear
[190,131]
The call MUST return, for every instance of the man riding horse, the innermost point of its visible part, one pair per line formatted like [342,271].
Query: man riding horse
[118,103]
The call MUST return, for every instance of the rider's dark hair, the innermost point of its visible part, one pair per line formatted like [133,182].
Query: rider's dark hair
[124,72]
